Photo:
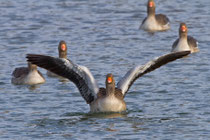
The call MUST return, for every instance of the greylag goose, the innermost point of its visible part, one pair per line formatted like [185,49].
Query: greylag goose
[111,98]
[154,22]
[185,42]
[27,75]
[62,50]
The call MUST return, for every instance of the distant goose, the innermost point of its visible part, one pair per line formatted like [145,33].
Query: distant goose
[152,22]
[184,42]
[111,98]
[27,75]
[62,50]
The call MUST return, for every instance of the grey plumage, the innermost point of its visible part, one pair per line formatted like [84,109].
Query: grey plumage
[134,73]
[65,68]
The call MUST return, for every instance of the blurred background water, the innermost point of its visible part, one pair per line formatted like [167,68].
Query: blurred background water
[169,103]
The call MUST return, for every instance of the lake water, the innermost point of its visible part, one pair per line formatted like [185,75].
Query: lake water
[173,102]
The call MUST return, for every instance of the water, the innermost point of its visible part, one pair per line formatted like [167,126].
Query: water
[169,103]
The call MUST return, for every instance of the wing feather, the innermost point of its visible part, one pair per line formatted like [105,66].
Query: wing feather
[193,43]
[125,83]
[162,19]
[175,44]
[18,72]
[79,75]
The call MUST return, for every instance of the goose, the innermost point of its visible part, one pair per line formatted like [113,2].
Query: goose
[154,22]
[110,98]
[62,50]
[27,75]
[185,42]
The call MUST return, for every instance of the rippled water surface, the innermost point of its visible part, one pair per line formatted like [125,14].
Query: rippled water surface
[172,102]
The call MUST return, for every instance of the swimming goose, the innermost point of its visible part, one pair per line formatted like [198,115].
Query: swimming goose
[152,22]
[111,98]
[185,42]
[62,50]
[27,75]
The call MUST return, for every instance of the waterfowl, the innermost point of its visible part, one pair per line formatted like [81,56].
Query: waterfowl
[154,22]
[27,75]
[185,42]
[62,50]
[111,98]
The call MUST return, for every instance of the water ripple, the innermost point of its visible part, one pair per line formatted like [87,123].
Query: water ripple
[169,103]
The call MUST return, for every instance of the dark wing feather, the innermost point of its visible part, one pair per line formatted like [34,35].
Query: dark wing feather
[18,72]
[142,23]
[162,19]
[125,83]
[192,42]
[101,93]
[118,93]
[79,75]
[175,44]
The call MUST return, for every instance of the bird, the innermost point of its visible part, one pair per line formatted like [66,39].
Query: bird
[27,75]
[154,22]
[110,98]
[185,42]
[62,50]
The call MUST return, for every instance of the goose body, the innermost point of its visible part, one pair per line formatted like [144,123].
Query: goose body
[27,75]
[185,42]
[154,22]
[111,103]
[110,98]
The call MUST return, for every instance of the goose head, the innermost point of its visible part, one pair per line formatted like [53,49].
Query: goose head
[62,49]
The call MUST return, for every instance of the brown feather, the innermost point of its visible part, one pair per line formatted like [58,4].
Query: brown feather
[18,72]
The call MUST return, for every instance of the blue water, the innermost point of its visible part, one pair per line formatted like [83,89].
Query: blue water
[169,103]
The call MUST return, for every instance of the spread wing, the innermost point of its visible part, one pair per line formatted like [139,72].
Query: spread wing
[79,75]
[125,83]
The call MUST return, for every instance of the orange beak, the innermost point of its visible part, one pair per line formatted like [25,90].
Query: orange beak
[184,28]
[150,4]
[63,47]
[109,80]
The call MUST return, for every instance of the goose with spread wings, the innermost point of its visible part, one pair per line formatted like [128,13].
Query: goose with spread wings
[110,98]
